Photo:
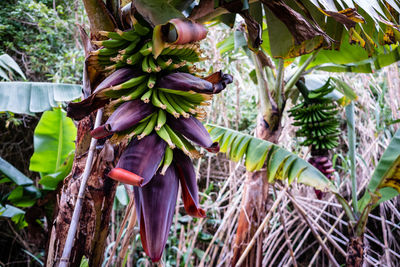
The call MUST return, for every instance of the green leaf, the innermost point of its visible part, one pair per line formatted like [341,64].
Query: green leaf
[10,211]
[17,215]
[13,173]
[226,45]
[84,262]
[51,181]
[31,97]
[363,67]
[157,11]
[345,89]
[24,196]
[385,180]
[53,140]
[9,61]
[281,164]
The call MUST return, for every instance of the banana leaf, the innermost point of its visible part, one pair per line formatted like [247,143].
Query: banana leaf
[53,142]
[280,163]
[32,97]
[14,174]
[8,64]
[385,181]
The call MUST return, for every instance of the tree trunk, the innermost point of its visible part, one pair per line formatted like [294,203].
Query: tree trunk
[96,210]
[254,204]
[355,251]
[90,239]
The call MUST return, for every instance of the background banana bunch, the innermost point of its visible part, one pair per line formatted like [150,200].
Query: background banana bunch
[317,119]
[153,101]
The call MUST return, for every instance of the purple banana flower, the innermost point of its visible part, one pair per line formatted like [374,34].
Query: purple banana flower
[156,194]
[193,130]
[126,116]
[324,165]
[155,205]
[212,84]
[185,30]
[79,110]
[142,157]
[187,176]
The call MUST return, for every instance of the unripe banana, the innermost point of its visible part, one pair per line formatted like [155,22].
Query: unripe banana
[146,96]
[112,43]
[155,100]
[176,140]
[128,35]
[169,108]
[161,119]
[168,157]
[163,133]
[149,127]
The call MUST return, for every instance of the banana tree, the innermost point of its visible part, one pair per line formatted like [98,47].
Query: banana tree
[139,65]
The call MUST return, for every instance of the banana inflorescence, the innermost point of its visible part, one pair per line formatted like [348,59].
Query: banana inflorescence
[316,116]
[160,89]
[154,103]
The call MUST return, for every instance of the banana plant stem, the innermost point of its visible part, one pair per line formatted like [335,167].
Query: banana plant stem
[263,91]
[279,83]
[296,76]
[352,154]
[78,205]
[261,227]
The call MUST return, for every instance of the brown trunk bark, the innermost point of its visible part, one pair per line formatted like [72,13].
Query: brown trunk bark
[355,252]
[93,227]
[254,203]
[90,239]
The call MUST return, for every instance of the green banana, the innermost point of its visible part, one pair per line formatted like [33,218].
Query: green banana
[128,35]
[134,59]
[140,127]
[145,65]
[140,29]
[111,43]
[149,127]
[111,35]
[153,65]
[105,52]
[190,96]
[176,106]
[183,104]
[161,119]
[146,49]
[146,96]
[168,157]
[131,83]
[164,64]
[317,119]
[152,81]
[193,153]
[130,48]
[176,140]
[138,91]
[163,134]
[168,107]
[156,101]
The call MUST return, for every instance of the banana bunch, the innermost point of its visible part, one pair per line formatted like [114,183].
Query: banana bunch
[155,104]
[317,118]
[135,48]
